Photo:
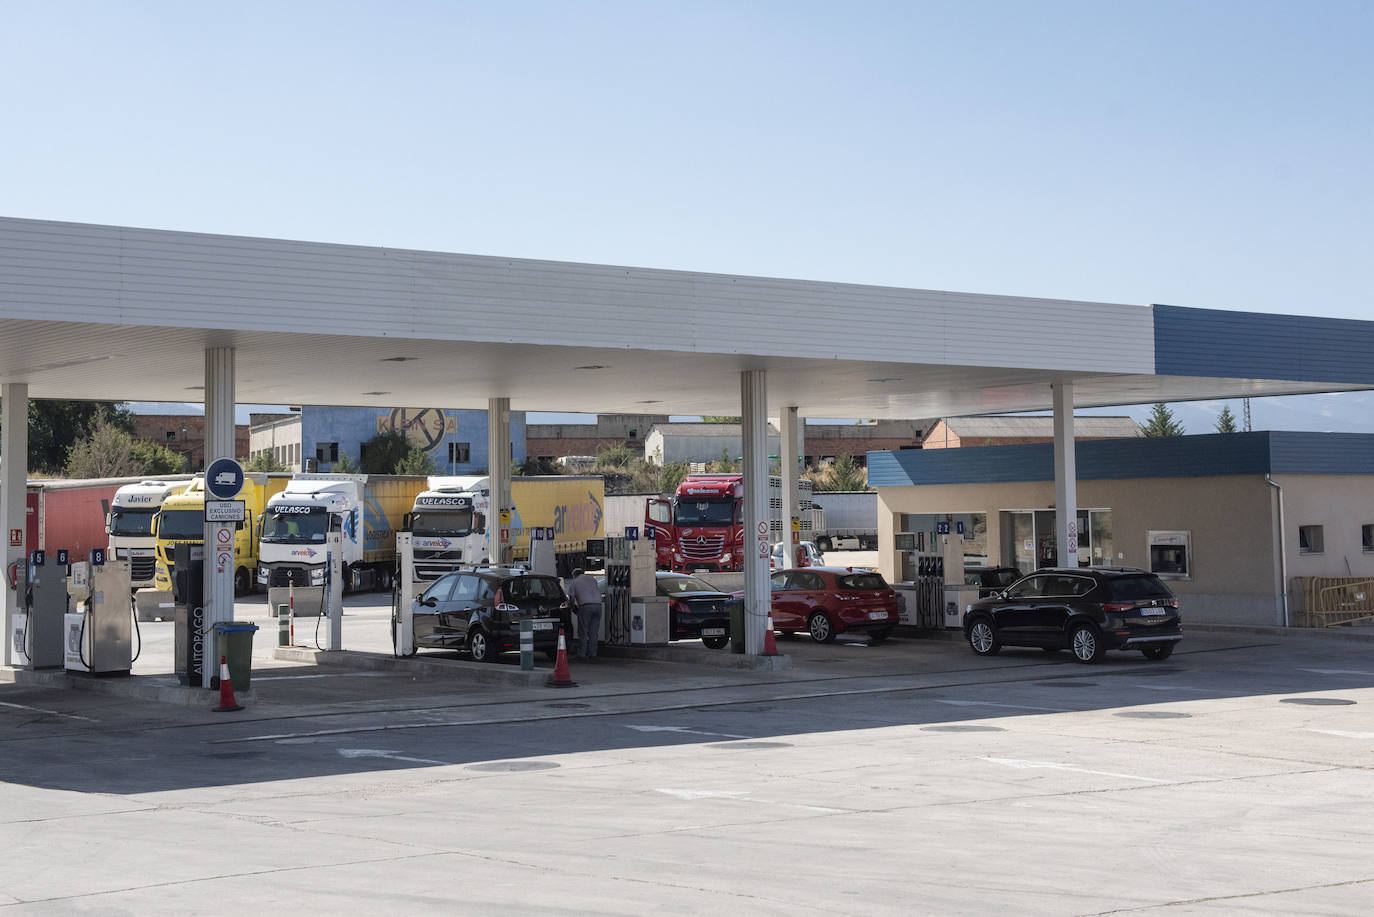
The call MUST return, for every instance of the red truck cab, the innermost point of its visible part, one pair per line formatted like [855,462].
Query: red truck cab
[700,527]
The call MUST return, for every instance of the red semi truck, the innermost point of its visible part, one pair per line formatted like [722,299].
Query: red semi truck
[701,527]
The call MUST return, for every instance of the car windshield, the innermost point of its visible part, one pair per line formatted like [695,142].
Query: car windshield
[1129,588]
[181,525]
[132,521]
[294,525]
[704,512]
[442,522]
[860,581]
[675,585]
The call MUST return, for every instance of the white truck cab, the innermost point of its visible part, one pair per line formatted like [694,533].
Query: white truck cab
[129,524]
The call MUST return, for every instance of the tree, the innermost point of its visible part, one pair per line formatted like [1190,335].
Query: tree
[416,461]
[1226,421]
[55,425]
[719,418]
[843,474]
[1161,422]
[110,452]
[263,461]
[383,453]
[346,465]
[621,457]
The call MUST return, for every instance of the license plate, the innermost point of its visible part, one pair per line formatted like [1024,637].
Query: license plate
[1153,611]
[543,625]
[877,616]
[713,632]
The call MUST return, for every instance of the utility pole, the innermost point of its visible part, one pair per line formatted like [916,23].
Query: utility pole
[1245,411]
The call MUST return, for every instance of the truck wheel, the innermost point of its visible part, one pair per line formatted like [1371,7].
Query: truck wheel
[242,581]
[823,544]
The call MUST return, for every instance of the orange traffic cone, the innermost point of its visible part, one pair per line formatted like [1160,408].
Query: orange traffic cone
[770,646]
[227,703]
[560,677]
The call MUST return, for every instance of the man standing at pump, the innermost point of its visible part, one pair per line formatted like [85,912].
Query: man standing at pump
[586,598]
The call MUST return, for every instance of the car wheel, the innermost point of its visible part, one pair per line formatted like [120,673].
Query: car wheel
[714,643]
[823,544]
[1158,652]
[1086,644]
[878,636]
[242,581]
[982,638]
[822,631]
[479,646]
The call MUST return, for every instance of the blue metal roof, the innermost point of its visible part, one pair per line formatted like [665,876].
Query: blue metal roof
[1275,452]
[1252,345]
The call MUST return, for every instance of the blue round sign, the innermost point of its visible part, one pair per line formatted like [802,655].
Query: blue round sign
[224,478]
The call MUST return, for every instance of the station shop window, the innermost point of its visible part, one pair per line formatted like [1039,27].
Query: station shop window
[459,453]
[326,452]
[1311,539]
[1170,554]
[1367,537]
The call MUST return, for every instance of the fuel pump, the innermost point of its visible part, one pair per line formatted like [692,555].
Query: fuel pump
[42,594]
[99,635]
[333,590]
[633,612]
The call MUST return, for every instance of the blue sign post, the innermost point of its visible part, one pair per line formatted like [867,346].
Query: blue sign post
[224,479]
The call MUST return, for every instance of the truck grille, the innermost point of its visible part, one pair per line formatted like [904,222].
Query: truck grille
[696,549]
[141,569]
[289,576]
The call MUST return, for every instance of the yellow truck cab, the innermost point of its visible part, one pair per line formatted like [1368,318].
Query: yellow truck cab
[182,521]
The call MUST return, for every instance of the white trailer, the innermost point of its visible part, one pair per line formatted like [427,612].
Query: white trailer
[849,520]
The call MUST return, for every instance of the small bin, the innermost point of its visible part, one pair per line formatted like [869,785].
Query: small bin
[735,607]
[235,641]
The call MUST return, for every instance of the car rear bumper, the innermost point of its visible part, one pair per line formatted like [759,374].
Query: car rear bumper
[1136,642]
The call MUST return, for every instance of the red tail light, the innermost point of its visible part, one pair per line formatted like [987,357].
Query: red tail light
[1118,606]
[679,607]
[498,602]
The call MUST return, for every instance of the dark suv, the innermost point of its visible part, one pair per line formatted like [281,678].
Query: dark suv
[480,610]
[1088,610]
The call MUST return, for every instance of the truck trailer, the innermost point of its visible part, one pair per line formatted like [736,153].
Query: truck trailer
[849,521]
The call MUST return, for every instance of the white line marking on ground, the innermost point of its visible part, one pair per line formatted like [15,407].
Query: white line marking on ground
[742,796]
[389,755]
[69,716]
[984,703]
[1344,734]
[684,729]
[330,675]
[1050,765]
[1339,672]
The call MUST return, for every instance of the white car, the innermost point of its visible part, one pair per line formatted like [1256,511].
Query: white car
[808,555]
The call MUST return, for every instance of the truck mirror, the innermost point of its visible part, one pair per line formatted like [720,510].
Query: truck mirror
[405,523]
[107,523]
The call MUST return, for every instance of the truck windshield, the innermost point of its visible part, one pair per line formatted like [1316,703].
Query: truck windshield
[704,512]
[182,525]
[124,521]
[446,522]
[294,525]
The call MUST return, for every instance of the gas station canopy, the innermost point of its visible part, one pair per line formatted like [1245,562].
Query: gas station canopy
[121,314]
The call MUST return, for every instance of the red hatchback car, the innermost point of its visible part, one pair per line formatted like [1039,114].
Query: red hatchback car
[826,601]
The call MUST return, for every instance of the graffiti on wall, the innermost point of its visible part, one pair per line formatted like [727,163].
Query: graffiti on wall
[423,428]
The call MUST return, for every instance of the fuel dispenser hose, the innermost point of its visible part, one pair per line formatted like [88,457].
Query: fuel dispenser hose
[138,632]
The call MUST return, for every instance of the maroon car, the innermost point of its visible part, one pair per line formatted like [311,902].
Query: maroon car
[826,601]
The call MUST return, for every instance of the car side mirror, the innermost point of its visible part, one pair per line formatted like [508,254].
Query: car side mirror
[429,603]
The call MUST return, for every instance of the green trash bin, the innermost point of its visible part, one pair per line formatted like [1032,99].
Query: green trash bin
[736,609]
[235,642]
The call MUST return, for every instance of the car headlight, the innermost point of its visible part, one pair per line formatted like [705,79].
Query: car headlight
[317,577]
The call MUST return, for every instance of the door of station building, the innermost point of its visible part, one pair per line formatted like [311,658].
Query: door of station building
[1029,540]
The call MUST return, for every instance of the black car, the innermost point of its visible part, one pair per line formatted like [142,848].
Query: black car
[480,610]
[990,580]
[1088,610]
[695,608]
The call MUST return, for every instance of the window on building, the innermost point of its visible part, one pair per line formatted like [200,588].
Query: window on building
[327,452]
[1367,537]
[1310,539]
[362,453]
[171,435]
[459,453]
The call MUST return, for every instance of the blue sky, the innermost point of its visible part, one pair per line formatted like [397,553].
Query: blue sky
[1201,154]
